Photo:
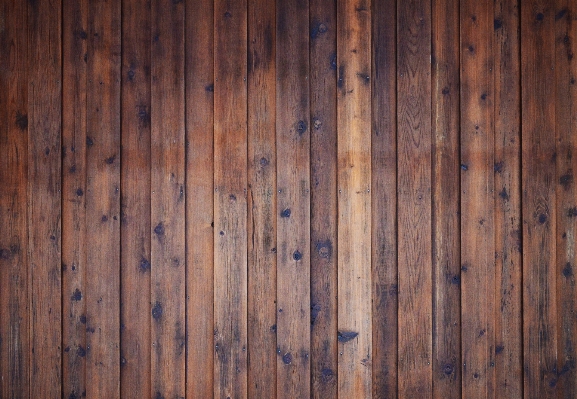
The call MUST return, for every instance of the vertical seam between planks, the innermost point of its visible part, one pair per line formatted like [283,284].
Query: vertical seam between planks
[186,144]
[61,199]
[520,193]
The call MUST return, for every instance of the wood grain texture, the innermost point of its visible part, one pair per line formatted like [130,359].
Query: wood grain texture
[293,127]
[15,348]
[199,62]
[230,199]
[323,201]
[168,329]
[477,201]
[44,196]
[135,225]
[262,206]
[538,199]
[414,198]
[507,172]
[74,235]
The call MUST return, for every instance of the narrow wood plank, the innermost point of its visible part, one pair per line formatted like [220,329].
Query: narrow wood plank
[566,195]
[168,330]
[102,194]
[354,199]
[446,181]
[74,47]
[230,199]
[538,198]
[293,199]
[414,198]
[384,199]
[199,73]
[44,201]
[135,225]
[323,230]
[261,199]
[508,245]
[477,200]
[14,259]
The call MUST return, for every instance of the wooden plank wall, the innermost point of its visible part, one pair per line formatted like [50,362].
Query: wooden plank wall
[290,198]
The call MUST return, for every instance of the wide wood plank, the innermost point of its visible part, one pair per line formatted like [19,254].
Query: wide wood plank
[44,196]
[74,47]
[199,61]
[261,199]
[230,199]
[538,199]
[168,330]
[446,181]
[507,184]
[102,194]
[323,172]
[135,225]
[354,199]
[414,198]
[14,259]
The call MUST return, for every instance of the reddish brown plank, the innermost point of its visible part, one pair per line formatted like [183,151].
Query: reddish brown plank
[414,198]
[135,226]
[199,74]
[538,198]
[323,230]
[14,161]
[74,47]
[261,200]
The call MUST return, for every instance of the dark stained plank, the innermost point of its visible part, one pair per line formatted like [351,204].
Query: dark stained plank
[508,289]
[566,195]
[384,199]
[414,198]
[538,199]
[323,200]
[261,92]
[354,199]
[14,162]
[102,198]
[446,181]
[230,199]
[168,329]
[199,75]
[135,225]
[293,127]
[477,201]
[74,47]
[44,196]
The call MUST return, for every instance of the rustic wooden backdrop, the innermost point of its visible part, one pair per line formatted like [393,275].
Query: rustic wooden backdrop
[307,198]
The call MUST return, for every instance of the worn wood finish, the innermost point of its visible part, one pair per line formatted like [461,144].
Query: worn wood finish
[135,232]
[303,198]
[261,233]
[323,208]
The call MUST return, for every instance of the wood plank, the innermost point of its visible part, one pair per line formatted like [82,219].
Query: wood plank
[477,200]
[74,47]
[168,330]
[414,198]
[44,201]
[14,259]
[199,61]
[508,288]
[135,225]
[230,199]
[566,196]
[446,181]
[293,199]
[354,199]
[261,92]
[102,198]
[384,200]
[323,200]
[538,198]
